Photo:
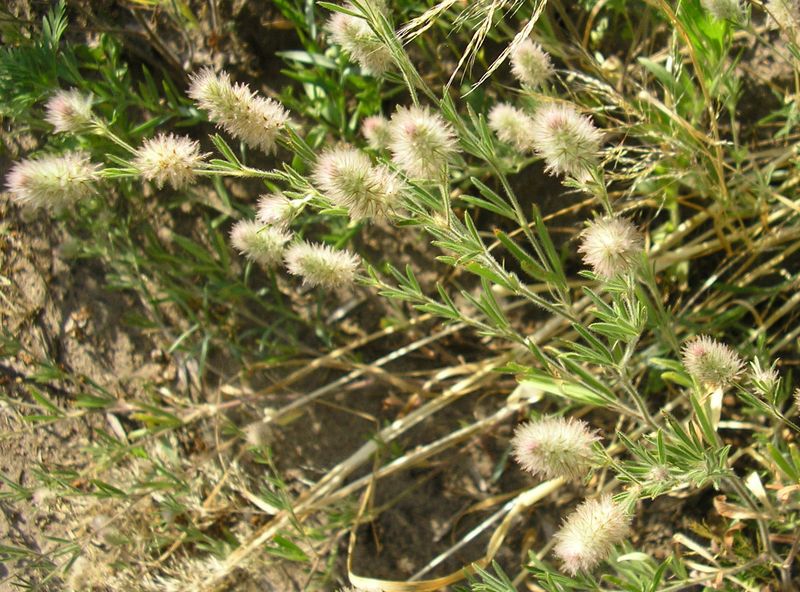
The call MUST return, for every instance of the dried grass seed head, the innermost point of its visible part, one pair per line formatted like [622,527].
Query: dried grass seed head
[69,111]
[255,120]
[375,130]
[274,209]
[348,179]
[168,158]
[322,265]
[554,447]
[263,244]
[53,182]
[568,141]
[422,143]
[711,363]
[611,246]
[512,126]
[530,64]
[589,534]
[359,41]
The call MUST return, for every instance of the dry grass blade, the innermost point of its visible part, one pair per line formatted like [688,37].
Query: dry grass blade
[510,510]
[477,41]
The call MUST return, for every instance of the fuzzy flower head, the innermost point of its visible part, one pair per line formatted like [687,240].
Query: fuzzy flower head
[530,64]
[168,158]
[69,111]
[321,265]
[348,179]
[421,143]
[611,246]
[274,209]
[263,244]
[724,10]
[554,447]
[512,126]
[376,131]
[53,182]
[255,120]
[568,141]
[711,363]
[765,380]
[360,42]
[589,534]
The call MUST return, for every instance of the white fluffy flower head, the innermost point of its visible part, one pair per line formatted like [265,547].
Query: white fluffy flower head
[765,380]
[69,111]
[274,209]
[512,126]
[255,120]
[348,178]
[611,246]
[567,140]
[322,265]
[168,158]
[554,447]
[421,143]
[530,64]
[376,131]
[712,363]
[356,38]
[589,534]
[53,182]
[263,244]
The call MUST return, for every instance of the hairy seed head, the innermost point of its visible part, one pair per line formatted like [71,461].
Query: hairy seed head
[349,180]
[376,131]
[255,120]
[168,158]
[611,246]
[589,534]
[711,363]
[322,265]
[274,209]
[512,126]
[52,182]
[69,111]
[554,447]
[765,380]
[530,64]
[263,244]
[567,140]
[422,143]
[360,42]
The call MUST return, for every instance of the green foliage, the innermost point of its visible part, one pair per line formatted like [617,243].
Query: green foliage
[488,249]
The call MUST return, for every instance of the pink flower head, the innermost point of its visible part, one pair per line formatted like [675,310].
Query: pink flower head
[554,447]
[712,363]
[255,120]
[322,265]
[611,246]
[69,111]
[568,141]
[530,64]
[589,534]
[421,143]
